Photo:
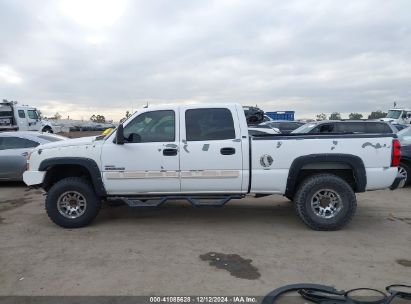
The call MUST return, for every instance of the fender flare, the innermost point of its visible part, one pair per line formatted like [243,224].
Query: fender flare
[355,162]
[89,164]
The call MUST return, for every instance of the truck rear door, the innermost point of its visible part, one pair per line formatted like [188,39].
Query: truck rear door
[211,150]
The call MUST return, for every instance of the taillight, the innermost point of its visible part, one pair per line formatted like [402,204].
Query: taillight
[396,153]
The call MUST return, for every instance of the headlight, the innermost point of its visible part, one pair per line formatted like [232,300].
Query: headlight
[28,161]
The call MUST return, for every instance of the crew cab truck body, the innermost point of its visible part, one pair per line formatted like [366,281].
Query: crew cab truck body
[203,153]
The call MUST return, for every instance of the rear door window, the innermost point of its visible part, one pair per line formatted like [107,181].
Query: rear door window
[209,124]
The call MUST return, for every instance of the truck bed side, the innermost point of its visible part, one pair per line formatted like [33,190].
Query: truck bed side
[325,152]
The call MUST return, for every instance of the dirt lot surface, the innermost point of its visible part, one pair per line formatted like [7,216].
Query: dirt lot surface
[180,250]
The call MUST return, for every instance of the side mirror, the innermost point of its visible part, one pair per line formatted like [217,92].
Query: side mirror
[404,115]
[120,135]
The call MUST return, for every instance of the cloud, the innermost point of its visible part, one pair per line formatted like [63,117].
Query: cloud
[9,76]
[303,55]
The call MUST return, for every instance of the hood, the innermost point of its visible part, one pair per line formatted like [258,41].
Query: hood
[388,119]
[46,122]
[83,141]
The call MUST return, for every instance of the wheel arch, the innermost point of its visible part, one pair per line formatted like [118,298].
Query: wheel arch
[347,166]
[47,127]
[406,160]
[61,167]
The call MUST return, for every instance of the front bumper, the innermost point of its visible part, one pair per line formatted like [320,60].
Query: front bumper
[399,182]
[33,177]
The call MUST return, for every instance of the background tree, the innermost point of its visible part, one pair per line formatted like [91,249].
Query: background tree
[377,114]
[98,118]
[335,116]
[128,114]
[321,116]
[355,116]
[56,116]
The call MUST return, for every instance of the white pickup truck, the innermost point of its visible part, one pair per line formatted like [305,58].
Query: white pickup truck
[204,154]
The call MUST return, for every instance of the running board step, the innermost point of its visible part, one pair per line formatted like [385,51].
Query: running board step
[196,201]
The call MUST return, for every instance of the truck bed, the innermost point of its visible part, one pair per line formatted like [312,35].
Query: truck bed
[373,152]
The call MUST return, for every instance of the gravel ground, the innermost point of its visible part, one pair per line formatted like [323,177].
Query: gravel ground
[180,250]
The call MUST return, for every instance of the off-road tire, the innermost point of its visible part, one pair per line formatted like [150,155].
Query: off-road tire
[314,183]
[80,185]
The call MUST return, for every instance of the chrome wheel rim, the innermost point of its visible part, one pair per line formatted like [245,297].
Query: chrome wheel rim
[402,173]
[71,204]
[326,203]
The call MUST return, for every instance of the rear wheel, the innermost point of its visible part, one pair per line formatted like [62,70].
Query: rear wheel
[72,203]
[404,170]
[325,202]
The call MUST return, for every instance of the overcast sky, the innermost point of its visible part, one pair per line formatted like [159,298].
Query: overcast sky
[83,57]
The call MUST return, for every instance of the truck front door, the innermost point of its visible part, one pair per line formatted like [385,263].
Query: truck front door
[33,119]
[148,161]
[211,150]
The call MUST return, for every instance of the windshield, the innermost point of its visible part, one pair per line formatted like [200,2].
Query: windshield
[305,128]
[395,114]
[405,136]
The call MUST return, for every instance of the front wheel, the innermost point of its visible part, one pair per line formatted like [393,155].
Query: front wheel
[325,202]
[72,203]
